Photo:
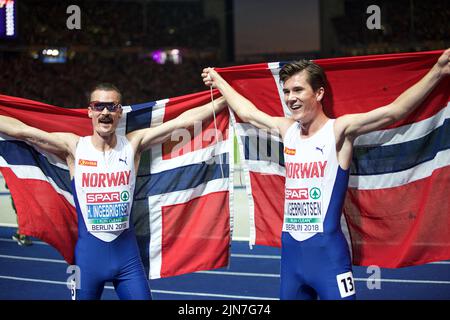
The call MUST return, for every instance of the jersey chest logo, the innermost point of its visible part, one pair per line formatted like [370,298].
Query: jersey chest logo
[289,151]
[87,163]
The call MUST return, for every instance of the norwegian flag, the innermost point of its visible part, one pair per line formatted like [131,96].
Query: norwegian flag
[397,207]
[181,211]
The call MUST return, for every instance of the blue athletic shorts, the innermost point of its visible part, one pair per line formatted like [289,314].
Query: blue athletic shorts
[319,266]
[117,261]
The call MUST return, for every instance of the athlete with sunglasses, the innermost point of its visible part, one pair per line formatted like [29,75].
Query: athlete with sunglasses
[103,173]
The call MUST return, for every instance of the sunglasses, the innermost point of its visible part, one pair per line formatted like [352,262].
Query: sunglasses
[100,106]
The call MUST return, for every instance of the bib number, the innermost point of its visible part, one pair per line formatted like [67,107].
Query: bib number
[346,284]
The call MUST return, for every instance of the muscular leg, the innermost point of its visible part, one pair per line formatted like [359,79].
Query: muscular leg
[90,289]
[132,283]
[91,269]
[292,286]
[130,280]
[333,279]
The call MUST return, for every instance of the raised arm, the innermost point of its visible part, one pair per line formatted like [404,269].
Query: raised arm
[59,143]
[354,125]
[244,108]
[143,139]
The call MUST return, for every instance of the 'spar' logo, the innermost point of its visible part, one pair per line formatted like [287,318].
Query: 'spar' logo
[103,197]
[297,194]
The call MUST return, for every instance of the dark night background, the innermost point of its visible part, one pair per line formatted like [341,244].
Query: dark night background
[119,41]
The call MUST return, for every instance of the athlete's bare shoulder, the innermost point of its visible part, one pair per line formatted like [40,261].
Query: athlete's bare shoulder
[284,124]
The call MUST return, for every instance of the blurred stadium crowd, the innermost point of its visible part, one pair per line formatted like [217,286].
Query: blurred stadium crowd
[117,38]
[114,45]
[407,25]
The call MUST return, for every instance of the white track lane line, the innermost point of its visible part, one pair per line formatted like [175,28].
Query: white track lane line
[32,259]
[267,275]
[34,241]
[278,257]
[256,256]
[246,274]
[184,293]
[237,255]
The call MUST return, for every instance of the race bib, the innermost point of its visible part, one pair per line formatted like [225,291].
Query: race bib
[303,210]
[346,284]
[107,211]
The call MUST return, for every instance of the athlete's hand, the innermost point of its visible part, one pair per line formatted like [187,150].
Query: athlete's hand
[443,63]
[209,76]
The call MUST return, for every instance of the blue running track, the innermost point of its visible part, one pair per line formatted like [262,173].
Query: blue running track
[38,272]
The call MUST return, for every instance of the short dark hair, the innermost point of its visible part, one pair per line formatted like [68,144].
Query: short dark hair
[316,75]
[105,86]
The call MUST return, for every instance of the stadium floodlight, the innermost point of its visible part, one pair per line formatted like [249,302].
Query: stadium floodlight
[54,55]
[163,56]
